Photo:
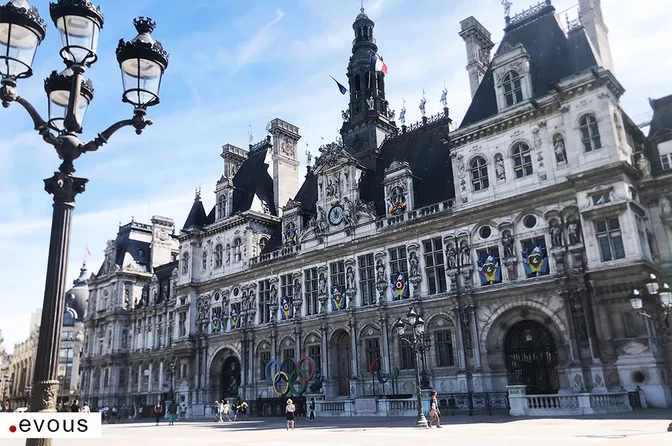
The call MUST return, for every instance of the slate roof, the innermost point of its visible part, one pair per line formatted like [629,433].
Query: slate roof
[196,217]
[661,123]
[553,54]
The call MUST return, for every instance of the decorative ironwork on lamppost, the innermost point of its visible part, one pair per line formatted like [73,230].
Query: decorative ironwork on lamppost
[416,340]
[664,293]
[142,61]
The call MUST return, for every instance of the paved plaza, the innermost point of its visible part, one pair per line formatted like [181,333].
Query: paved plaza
[641,428]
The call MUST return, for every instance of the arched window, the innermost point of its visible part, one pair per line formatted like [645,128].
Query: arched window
[69,318]
[479,173]
[237,253]
[221,206]
[218,256]
[205,260]
[590,134]
[513,93]
[262,244]
[397,203]
[185,263]
[522,160]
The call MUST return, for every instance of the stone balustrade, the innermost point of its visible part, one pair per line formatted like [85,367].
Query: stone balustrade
[566,405]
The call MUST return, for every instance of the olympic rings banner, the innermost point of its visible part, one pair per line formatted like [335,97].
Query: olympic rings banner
[284,377]
[375,370]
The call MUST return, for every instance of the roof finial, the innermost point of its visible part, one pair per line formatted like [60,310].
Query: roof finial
[507,7]
[251,135]
[198,193]
[362,9]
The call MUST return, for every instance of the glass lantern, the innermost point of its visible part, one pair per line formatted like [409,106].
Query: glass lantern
[21,32]
[652,284]
[412,316]
[57,87]
[400,327]
[636,300]
[143,62]
[79,23]
[665,296]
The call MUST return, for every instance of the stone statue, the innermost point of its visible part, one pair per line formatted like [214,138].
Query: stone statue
[274,293]
[127,300]
[380,272]
[345,114]
[371,103]
[574,231]
[251,135]
[507,244]
[444,97]
[350,279]
[297,288]
[451,255]
[465,253]
[499,167]
[392,114]
[316,385]
[322,284]
[423,102]
[402,115]
[309,156]
[644,166]
[415,264]
[349,212]
[559,149]
[556,234]
[507,7]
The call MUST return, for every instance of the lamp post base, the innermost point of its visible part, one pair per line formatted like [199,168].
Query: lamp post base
[421,421]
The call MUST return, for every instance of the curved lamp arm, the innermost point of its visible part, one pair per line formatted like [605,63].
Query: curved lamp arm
[138,121]
[8,94]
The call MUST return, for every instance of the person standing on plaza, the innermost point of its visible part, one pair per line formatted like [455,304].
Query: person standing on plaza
[434,412]
[243,411]
[75,407]
[226,411]
[312,409]
[158,410]
[172,411]
[289,410]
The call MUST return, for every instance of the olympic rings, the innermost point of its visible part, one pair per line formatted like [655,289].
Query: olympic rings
[290,376]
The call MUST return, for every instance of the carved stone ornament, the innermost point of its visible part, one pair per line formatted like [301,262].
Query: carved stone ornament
[44,395]
[330,154]
[395,166]
[64,187]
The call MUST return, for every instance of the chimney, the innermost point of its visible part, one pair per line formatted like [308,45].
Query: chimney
[479,44]
[590,13]
[285,137]
[162,240]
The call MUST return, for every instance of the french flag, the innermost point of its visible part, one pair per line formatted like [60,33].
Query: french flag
[377,64]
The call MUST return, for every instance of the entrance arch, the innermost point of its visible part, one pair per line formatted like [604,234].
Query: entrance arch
[341,363]
[229,378]
[531,357]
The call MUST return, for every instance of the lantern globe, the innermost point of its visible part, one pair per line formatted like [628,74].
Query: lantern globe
[79,23]
[21,32]
[58,87]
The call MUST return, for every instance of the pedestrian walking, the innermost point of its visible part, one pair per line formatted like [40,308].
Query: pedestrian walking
[312,409]
[172,411]
[434,412]
[158,410]
[243,411]
[289,410]
[75,407]
[226,411]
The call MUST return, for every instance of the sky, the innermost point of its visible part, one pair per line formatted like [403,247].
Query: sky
[233,67]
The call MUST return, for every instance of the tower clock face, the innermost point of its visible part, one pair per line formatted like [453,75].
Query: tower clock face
[336,215]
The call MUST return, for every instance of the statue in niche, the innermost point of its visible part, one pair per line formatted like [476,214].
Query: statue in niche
[574,231]
[127,299]
[349,212]
[499,167]
[380,272]
[253,299]
[345,114]
[371,103]
[415,264]
[556,234]
[444,97]
[559,148]
[402,115]
[465,253]
[644,166]
[154,297]
[507,244]
[322,284]
[350,279]
[274,293]
[228,253]
[333,187]
[297,288]
[451,256]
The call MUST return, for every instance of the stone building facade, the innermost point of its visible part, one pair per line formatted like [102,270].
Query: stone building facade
[517,236]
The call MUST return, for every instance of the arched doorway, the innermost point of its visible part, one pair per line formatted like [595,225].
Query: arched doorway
[229,378]
[341,362]
[531,357]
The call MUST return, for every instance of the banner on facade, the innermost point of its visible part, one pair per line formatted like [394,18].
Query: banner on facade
[290,238]
[338,300]
[536,261]
[216,324]
[286,308]
[489,270]
[399,286]
[234,316]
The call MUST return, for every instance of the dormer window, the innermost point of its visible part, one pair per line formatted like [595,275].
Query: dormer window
[262,244]
[397,203]
[237,252]
[513,92]
[479,173]
[221,206]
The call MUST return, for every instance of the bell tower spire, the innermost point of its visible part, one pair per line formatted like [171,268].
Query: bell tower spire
[368,118]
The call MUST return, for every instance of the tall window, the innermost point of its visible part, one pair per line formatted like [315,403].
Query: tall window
[513,92]
[337,270]
[262,244]
[264,301]
[372,350]
[434,266]
[287,353]
[443,343]
[182,324]
[221,206]
[219,256]
[310,285]
[590,134]
[65,360]
[398,262]
[237,250]
[522,160]
[367,279]
[666,161]
[185,263]
[609,237]
[406,356]
[479,173]
[314,353]
[264,359]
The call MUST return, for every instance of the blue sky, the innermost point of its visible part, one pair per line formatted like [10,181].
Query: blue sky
[239,64]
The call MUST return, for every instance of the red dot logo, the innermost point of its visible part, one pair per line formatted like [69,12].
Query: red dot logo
[12,429]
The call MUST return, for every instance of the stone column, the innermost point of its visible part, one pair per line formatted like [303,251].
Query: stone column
[386,341]
[161,364]
[353,344]
[140,378]
[462,360]
[476,345]
[150,387]
[274,349]
[250,357]
[324,349]
[129,385]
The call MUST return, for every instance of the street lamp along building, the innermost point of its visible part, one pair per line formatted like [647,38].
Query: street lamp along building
[517,237]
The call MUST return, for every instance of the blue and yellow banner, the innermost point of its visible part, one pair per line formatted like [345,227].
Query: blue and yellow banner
[234,317]
[489,271]
[338,298]
[399,286]
[287,308]
[535,262]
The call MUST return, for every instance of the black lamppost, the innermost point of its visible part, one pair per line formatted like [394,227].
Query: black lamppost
[171,374]
[664,293]
[142,62]
[416,340]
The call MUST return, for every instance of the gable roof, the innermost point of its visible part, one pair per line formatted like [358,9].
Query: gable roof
[553,55]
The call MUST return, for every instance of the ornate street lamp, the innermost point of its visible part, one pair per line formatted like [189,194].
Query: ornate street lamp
[664,293]
[171,375]
[416,340]
[142,61]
